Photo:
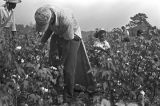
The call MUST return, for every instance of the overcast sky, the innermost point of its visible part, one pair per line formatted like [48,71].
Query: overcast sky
[91,14]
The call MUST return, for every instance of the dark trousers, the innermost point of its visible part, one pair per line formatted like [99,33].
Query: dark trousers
[70,51]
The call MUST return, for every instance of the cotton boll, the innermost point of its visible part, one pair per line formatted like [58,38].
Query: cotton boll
[142,92]
[46,90]
[109,59]
[18,48]
[118,51]
[22,61]
[26,76]
[42,88]
[38,58]
[54,68]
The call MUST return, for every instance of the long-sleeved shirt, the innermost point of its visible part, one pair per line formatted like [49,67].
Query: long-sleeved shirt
[103,45]
[65,26]
[4,16]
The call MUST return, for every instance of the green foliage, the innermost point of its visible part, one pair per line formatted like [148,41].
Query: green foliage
[24,69]
[28,78]
[130,68]
[138,19]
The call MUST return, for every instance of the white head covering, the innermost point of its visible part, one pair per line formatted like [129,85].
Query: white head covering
[42,18]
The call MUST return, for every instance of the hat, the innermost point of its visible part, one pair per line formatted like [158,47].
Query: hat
[42,18]
[100,33]
[123,27]
[13,1]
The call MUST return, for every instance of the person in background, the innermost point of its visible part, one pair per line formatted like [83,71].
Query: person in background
[102,52]
[155,30]
[101,44]
[125,34]
[65,32]
[7,20]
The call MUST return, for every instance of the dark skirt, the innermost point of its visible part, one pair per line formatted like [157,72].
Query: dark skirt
[75,60]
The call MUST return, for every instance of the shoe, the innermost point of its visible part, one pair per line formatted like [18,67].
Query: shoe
[91,90]
[79,88]
[67,98]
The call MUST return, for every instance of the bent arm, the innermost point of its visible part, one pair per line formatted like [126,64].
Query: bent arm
[46,35]
[1,18]
[13,25]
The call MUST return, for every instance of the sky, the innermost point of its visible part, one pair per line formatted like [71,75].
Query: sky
[93,14]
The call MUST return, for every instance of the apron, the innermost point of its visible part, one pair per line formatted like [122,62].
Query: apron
[82,76]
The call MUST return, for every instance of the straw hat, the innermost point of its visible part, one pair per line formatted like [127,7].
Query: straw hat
[13,1]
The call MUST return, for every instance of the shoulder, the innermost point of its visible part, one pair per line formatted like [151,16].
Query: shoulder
[2,8]
[67,14]
[66,18]
[60,10]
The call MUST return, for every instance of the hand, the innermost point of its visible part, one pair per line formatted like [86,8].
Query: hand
[77,38]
